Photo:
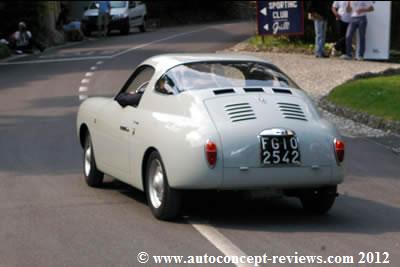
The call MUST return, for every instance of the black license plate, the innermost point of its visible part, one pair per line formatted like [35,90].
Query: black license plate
[279,150]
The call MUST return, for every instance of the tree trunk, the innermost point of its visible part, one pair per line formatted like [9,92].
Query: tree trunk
[49,11]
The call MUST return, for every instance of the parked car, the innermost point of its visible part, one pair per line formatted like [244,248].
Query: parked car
[211,121]
[124,16]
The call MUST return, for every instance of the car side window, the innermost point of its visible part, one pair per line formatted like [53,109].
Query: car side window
[165,85]
[134,88]
[132,4]
[139,80]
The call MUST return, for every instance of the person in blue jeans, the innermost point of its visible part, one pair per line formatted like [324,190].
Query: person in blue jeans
[318,12]
[104,17]
[358,21]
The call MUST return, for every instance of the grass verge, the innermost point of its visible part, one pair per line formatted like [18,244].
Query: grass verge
[379,96]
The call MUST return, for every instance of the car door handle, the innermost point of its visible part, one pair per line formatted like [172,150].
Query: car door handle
[124,128]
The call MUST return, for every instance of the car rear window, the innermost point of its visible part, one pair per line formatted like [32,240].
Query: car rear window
[118,4]
[113,4]
[209,75]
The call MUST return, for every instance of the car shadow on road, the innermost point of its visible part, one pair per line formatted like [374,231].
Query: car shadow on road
[349,214]
[238,210]
[132,193]
[123,188]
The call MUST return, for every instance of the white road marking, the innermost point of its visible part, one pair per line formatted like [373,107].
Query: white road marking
[104,57]
[85,81]
[93,68]
[82,97]
[88,74]
[158,41]
[52,56]
[55,60]
[99,62]
[219,241]
[83,89]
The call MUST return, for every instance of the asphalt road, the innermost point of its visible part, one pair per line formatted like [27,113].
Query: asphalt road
[49,217]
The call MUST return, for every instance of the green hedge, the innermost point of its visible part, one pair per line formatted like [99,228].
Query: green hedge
[4,51]
[12,12]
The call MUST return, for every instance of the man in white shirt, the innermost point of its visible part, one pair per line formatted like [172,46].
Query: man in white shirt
[23,41]
[358,21]
[339,9]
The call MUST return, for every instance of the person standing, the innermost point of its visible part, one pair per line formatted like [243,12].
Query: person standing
[318,12]
[358,21]
[339,9]
[104,16]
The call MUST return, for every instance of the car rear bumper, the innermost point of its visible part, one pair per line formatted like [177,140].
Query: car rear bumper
[260,178]
[281,177]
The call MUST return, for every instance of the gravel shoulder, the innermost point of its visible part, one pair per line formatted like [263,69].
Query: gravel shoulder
[319,76]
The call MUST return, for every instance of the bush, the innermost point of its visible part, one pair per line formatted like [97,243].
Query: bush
[13,12]
[195,11]
[4,51]
[379,96]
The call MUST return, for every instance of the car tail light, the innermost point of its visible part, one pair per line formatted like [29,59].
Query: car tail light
[211,153]
[339,150]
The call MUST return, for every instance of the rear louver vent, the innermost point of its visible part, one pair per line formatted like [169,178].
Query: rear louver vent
[292,111]
[282,91]
[253,90]
[240,112]
[224,91]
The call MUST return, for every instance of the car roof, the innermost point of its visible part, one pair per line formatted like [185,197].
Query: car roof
[165,62]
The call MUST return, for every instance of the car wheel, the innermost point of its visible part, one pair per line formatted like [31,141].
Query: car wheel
[93,176]
[319,201]
[142,27]
[164,202]
[125,30]
[86,32]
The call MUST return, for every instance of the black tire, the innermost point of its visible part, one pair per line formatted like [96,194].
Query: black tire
[142,27]
[170,199]
[86,32]
[319,201]
[125,30]
[93,177]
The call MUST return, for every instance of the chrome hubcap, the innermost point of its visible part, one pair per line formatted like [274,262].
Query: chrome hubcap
[156,183]
[88,158]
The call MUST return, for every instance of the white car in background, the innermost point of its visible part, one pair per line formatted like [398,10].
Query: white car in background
[124,16]
[211,121]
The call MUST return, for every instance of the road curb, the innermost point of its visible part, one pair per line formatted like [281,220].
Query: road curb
[14,56]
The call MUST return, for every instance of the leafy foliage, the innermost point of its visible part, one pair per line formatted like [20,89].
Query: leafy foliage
[4,51]
[13,12]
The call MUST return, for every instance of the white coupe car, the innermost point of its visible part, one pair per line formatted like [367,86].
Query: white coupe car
[211,121]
